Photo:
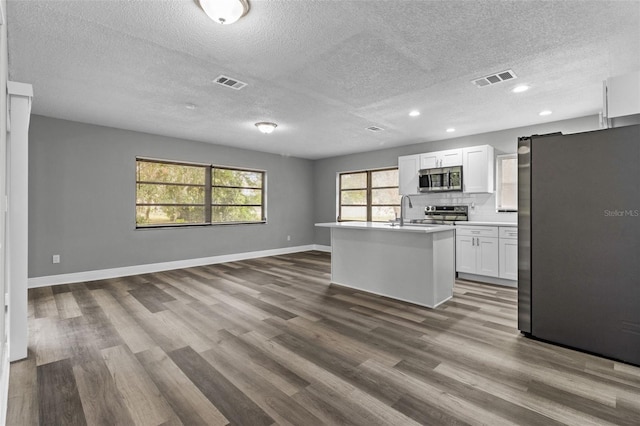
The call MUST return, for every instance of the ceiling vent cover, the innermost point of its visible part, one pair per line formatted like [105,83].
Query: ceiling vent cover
[496,78]
[232,83]
[375,129]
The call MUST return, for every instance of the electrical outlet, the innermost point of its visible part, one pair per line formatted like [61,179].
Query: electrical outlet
[288,237]
[56,258]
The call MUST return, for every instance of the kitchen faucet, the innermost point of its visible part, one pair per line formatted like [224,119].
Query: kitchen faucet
[402,208]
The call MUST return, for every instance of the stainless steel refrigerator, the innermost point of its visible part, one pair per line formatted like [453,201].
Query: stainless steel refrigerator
[579,240]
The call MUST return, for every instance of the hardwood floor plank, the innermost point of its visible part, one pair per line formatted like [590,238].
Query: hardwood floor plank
[373,411]
[22,402]
[425,413]
[98,325]
[327,413]
[101,401]
[58,399]
[44,338]
[602,413]
[275,403]
[227,398]
[45,304]
[151,297]
[67,305]
[142,398]
[191,406]
[129,330]
[261,364]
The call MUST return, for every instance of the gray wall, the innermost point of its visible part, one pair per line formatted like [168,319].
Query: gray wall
[504,142]
[82,200]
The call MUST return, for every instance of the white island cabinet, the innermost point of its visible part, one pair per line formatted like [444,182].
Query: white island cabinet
[411,263]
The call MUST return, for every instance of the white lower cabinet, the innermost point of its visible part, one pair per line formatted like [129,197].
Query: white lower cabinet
[509,253]
[477,250]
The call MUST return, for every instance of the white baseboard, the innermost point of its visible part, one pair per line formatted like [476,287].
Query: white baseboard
[4,385]
[103,274]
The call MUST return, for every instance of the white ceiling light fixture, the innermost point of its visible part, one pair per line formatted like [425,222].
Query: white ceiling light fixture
[451,130]
[520,89]
[266,127]
[545,112]
[414,113]
[225,11]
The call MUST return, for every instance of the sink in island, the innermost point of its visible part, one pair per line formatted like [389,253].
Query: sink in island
[411,263]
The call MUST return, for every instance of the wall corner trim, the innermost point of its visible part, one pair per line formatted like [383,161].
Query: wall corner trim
[4,385]
[103,274]
[19,89]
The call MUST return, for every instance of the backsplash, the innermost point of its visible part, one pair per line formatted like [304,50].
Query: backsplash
[482,207]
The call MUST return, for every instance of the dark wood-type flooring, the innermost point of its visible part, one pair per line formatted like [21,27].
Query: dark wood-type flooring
[269,341]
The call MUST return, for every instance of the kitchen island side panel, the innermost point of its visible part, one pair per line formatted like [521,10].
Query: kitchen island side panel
[444,265]
[401,265]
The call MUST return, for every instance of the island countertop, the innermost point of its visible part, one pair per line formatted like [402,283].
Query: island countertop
[383,226]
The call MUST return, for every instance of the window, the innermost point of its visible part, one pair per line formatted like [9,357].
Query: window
[507,183]
[236,196]
[370,195]
[171,193]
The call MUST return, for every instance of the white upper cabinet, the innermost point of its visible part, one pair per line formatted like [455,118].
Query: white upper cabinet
[477,169]
[621,96]
[448,158]
[408,167]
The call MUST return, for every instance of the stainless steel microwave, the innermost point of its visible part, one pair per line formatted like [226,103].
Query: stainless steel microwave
[441,179]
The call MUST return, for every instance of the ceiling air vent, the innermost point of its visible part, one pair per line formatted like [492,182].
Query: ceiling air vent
[223,80]
[375,129]
[498,77]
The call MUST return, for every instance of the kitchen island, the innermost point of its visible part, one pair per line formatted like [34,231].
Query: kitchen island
[411,263]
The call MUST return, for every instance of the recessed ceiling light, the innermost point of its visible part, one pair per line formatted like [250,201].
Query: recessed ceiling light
[520,89]
[450,130]
[545,112]
[190,106]
[266,127]
[414,113]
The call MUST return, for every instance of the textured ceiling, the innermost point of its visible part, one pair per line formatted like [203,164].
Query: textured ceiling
[322,70]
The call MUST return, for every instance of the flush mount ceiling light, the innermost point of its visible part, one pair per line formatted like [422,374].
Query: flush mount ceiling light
[451,130]
[225,11]
[545,112]
[414,113]
[266,127]
[520,89]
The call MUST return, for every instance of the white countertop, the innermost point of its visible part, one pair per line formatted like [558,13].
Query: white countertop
[473,223]
[383,226]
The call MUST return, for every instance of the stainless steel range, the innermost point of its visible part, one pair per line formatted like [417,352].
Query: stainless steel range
[443,215]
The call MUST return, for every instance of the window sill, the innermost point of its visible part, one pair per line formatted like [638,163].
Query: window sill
[195,225]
